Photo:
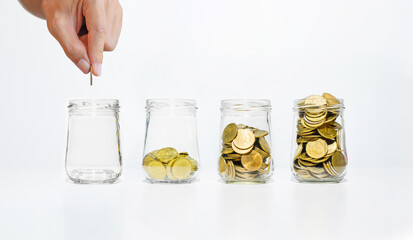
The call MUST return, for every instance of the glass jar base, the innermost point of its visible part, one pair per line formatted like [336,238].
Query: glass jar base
[168,181]
[247,182]
[319,180]
[90,176]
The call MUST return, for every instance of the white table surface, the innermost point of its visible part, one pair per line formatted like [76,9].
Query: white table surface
[370,204]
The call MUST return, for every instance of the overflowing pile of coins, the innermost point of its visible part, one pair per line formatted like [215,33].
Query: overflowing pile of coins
[319,153]
[168,163]
[245,154]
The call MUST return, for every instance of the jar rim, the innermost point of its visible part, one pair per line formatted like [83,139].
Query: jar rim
[93,103]
[299,104]
[244,104]
[170,103]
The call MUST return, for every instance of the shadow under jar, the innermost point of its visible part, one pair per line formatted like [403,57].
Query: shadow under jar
[171,141]
[93,148]
[318,146]
[245,141]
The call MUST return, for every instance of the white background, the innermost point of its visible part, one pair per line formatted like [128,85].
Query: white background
[208,50]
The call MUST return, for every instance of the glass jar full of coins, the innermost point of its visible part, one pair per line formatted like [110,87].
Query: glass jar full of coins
[318,147]
[171,142]
[245,149]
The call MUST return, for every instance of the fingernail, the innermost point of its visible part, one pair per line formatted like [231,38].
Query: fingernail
[83,65]
[98,69]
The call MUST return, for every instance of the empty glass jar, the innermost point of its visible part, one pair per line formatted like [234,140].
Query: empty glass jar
[171,141]
[245,141]
[318,146]
[93,148]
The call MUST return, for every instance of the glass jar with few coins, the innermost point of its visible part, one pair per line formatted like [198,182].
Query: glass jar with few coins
[171,142]
[245,149]
[318,146]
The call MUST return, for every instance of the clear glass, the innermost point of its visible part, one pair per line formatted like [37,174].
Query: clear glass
[318,144]
[245,151]
[93,148]
[171,141]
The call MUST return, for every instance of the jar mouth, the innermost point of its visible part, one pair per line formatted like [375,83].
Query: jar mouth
[300,104]
[82,104]
[245,104]
[170,103]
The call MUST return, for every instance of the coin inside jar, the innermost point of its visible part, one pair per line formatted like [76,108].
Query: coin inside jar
[168,163]
[319,152]
[249,158]
[245,139]
[252,161]
[230,132]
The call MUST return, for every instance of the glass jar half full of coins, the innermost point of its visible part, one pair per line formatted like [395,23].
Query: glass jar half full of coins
[171,142]
[245,149]
[318,147]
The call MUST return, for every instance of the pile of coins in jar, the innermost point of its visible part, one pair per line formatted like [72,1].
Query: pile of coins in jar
[168,163]
[245,154]
[319,154]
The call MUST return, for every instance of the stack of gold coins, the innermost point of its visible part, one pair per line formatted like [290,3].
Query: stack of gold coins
[169,164]
[319,153]
[245,153]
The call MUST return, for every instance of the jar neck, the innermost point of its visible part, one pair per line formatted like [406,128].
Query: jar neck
[93,106]
[246,105]
[171,105]
[300,105]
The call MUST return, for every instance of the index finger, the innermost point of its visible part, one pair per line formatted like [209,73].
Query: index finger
[94,12]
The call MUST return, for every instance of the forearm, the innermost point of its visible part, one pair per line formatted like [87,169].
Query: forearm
[34,7]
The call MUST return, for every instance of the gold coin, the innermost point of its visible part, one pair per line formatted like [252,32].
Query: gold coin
[233,156]
[298,151]
[316,149]
[331,118]
[241,151]
[194,164]
[156,170]
[241,169]
[167,154]
[303,163]
[147,159]
[329,168]
[331,148]
[181,168]
[320,160]
[230,132]
[316,170]
[227,150]
[327,131]
[245,139]
[339,162]
[251,161]
[315,100]
[264,144]
[231,164]
[338,139]
[312,125]
[315,119]
[169,170]
[304,156]
[269,164]
[263,153]
[260,133]
[331,100]
[222,165]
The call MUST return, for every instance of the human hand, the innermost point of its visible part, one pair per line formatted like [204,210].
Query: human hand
[84,29]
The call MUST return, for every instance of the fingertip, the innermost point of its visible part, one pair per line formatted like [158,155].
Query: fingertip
[97,69]
[83,65]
